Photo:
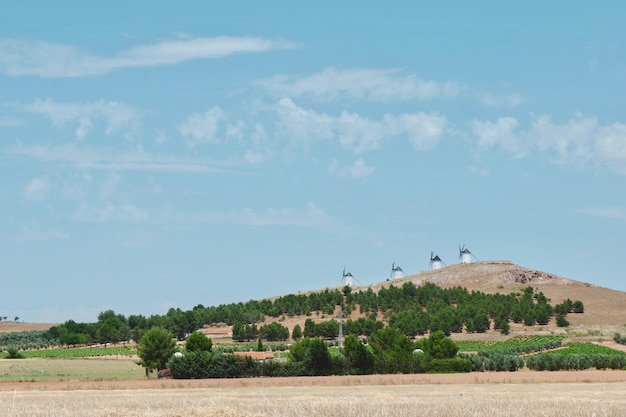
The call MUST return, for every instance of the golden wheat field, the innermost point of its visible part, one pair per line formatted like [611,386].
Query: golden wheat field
[433,400]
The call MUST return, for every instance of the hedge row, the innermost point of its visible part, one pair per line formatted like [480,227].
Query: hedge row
[556,362]
[494,362]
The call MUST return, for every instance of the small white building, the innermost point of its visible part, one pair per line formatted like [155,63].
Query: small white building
[435,261]
[396,272]
[465,255]
[347,279]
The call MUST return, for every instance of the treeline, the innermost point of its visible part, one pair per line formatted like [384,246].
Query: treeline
[34,339]
[411,309]
[389,351]
[557,362]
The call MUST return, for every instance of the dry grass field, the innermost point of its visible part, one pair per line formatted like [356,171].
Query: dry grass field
[452,400]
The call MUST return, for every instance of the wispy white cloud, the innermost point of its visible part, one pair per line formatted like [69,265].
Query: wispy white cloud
[257,157]
[305,127]
[36,233]
[501,133]
[610,212]
[107,159]
[380,86]
[36,189]
[502,100]
[20,57]
[357,170]
[311,216]
[202,128]
[127,213]
[580,141]
[116,115]
[377,85]
[10,122]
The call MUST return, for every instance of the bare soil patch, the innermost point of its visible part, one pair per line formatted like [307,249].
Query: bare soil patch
[16,326]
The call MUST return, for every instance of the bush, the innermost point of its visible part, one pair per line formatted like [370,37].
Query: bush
[494,362]
[198,342]
[438,346]
[561,321]
[448,366]
[197,365]
[272,368]
[620,339]
[14,353]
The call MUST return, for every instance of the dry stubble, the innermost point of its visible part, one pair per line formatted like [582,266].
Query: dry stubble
[494,400]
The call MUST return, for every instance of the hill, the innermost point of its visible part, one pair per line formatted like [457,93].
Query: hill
[604,315]
[605,309]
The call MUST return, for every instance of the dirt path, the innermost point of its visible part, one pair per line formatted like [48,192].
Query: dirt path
[520,377]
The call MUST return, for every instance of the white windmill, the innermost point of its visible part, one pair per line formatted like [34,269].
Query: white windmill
[465,255]
[396,272]
[435,261]
[347,278]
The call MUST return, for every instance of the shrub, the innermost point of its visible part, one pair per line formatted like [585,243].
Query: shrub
[561,321]
[447,366]
[197,342]
[14,353]
[196,365]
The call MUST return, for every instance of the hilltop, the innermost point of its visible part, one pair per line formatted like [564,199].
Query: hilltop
[605,308]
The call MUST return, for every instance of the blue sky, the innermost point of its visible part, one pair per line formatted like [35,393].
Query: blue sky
[154,155]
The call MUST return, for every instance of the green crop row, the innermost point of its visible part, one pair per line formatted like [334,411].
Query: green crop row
[582,348]
[519,344]
[80,352]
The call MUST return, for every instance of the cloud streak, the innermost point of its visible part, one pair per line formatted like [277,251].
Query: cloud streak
[20,57]
[108,160]
[376,85]
[581,141]
[608,212]
[116,115]
[306,127]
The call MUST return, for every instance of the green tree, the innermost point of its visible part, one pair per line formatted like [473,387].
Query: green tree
[107,334]
[309,328]
[561,321]
[317,358]
[198,342]
[392,350]
[296,333]
[155,348]
[578,307]
[298,349]
[360,358]
[438,346]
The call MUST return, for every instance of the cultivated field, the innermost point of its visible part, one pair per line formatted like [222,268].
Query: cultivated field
[433,400]
[47,370]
